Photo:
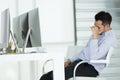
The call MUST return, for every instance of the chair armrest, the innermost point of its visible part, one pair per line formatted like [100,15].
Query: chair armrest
[43,68]
[91,61]
[77,66]
[99,61]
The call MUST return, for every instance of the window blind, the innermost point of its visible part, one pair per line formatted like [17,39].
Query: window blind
[85,11]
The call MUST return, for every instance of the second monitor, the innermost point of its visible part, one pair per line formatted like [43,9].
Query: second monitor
[26,29]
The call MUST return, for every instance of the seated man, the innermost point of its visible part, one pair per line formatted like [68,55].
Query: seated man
[97,47]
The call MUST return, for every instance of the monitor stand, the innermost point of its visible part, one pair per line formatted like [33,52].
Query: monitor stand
[32,49]
[19,50]
[15,43]
[26,40]
[27,50]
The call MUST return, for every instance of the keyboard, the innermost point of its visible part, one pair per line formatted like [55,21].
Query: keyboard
[35,50]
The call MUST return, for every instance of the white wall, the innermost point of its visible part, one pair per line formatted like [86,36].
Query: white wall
[24,6]
[5,4]
[56,20]
[56,17]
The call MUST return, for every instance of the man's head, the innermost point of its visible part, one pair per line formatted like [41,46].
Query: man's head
[102,21]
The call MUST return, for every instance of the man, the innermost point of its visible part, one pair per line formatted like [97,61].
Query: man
[97,47]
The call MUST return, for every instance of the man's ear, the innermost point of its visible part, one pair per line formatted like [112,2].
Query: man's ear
[107,26]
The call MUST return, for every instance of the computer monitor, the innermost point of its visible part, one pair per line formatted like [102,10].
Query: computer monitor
[24,23]
[35,35]
[20,29]
[17,31]
[26,29]
[5,28]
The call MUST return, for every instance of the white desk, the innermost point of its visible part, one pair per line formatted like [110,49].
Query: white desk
[58,58]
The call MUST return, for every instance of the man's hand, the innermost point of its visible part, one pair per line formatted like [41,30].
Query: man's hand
[66,63]
[95,32]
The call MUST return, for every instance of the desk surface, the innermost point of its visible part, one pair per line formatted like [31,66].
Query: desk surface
[29,56]
[57,58]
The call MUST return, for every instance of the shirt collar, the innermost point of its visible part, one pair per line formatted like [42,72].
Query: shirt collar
[107,33]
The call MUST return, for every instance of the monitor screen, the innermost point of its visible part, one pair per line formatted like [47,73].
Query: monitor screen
[22,23]
[17,31]
[5,28]
[34,25]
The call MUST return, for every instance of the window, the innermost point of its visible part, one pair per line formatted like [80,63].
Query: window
[85,11]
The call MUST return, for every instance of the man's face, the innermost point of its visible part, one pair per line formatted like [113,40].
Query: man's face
[101,27]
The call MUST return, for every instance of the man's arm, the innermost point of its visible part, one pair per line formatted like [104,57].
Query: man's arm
[96,50]
[95,32]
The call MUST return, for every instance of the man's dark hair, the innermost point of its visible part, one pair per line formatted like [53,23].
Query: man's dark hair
[105,17]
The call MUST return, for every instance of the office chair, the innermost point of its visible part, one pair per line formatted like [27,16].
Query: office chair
[43,68]
[76,49]
[106,61]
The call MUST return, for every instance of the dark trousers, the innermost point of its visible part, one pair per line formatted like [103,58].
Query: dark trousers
[84,69]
